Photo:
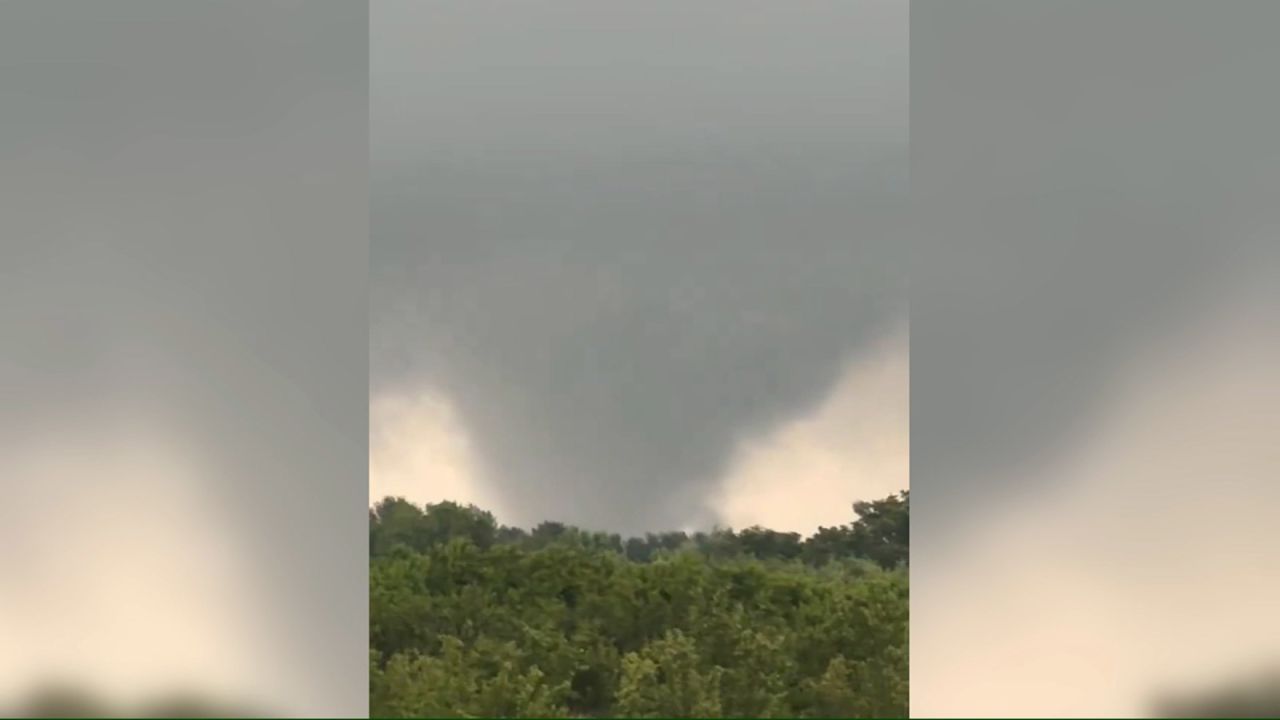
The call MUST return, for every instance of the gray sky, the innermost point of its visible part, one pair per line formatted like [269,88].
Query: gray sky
[618,240]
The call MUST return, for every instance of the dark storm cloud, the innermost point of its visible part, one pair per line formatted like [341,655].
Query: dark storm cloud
[1088,178]
[621,237]
[184,263]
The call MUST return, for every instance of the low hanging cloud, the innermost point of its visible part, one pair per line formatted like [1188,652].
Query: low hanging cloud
[620,255]
[856,446]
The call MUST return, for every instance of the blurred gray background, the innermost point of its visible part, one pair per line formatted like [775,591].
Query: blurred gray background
[1094,326]
[183,401]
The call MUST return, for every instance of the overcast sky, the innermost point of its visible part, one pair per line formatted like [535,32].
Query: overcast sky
[619,251]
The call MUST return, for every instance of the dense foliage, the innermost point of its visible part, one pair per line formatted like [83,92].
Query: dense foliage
[469,618]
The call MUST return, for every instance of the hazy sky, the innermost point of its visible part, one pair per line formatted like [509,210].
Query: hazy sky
[618,245]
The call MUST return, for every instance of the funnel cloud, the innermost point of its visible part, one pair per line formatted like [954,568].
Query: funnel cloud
[618,255]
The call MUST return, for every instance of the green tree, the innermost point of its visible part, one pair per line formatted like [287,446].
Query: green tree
[861,688]
[468,618]
[484,681]
[882,531]
[665,680]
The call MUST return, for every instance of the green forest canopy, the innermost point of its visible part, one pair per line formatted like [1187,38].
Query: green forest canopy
[470,618]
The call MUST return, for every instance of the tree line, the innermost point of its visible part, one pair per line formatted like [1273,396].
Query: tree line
[472,618]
